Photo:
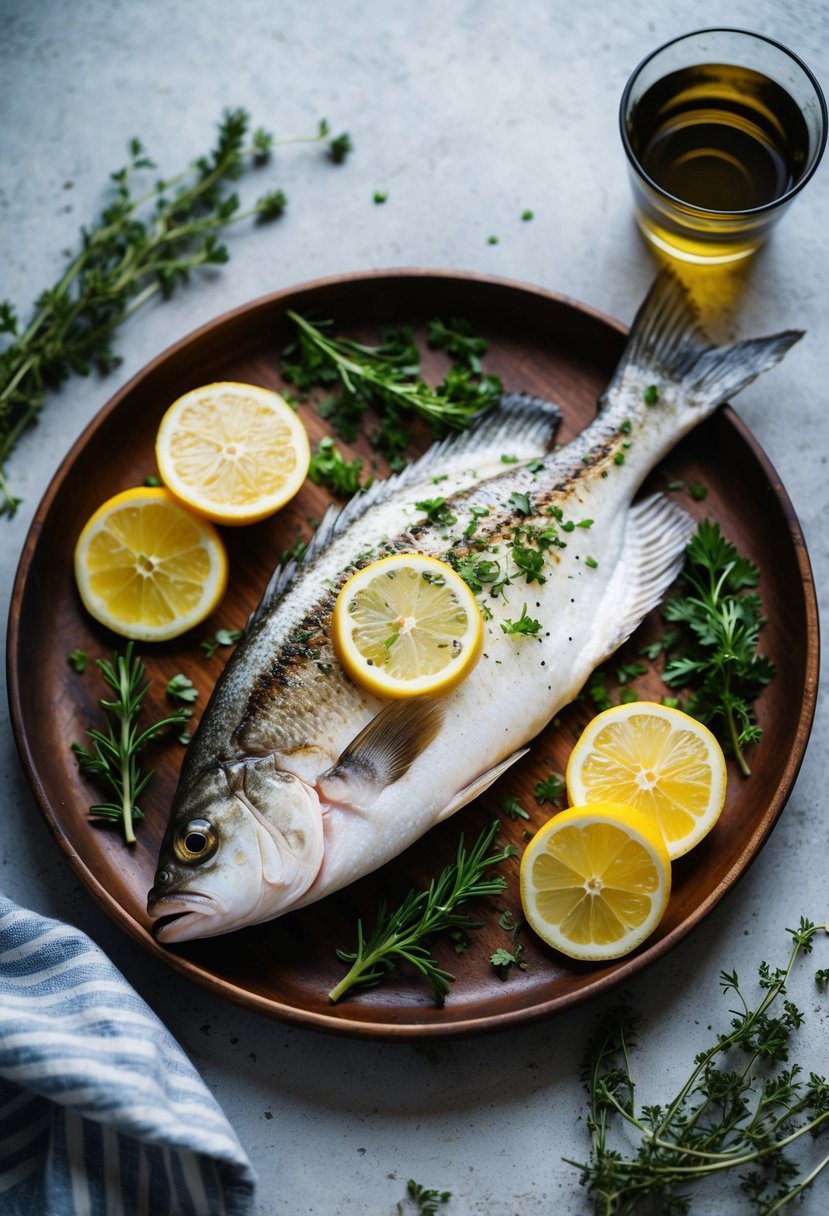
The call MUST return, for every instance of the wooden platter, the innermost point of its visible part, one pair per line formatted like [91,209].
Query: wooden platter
[540,343]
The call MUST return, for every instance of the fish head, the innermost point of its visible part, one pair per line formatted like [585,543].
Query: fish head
[244,841]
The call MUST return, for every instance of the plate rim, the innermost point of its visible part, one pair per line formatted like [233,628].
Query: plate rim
[412,1029]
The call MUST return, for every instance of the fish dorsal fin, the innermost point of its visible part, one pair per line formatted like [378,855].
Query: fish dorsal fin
[382,752]
[667,341]
[656,534]
[522,426]
[481,783]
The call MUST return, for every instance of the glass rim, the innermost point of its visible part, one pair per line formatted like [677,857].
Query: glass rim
[708,211]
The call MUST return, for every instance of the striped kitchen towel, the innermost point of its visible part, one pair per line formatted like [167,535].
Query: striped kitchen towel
[101,1113]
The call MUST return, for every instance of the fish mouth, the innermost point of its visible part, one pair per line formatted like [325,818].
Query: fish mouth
[180,918]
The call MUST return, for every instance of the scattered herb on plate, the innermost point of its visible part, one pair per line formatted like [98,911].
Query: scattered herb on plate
[404,933]
[113,759]
[721,617]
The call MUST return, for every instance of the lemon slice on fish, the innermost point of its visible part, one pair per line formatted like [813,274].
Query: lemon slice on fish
[407,625]
[595,881]
[656,759]
[235,453]
[147,568]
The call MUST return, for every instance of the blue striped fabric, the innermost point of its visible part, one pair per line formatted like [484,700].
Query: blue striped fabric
[101,1113]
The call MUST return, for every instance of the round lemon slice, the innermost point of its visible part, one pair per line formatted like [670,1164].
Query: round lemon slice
[407,625]
[659,761]
[233,452]
[595,881]
[147,568]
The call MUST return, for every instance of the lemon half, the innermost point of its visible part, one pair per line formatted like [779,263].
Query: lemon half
[147,568]
[407,625]
[656,759]
[233,452]
[595,881]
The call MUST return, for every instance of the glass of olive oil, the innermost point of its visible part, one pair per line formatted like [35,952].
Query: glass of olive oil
[722,128]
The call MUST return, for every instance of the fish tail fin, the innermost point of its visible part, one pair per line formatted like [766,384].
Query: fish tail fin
[667,342]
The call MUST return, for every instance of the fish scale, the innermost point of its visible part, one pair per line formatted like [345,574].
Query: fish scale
[297,781]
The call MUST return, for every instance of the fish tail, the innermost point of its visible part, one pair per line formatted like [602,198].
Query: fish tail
[667,342]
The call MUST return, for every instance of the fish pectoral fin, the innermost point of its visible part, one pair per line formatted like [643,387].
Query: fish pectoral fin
[481,783]
[382,752]
[656,534]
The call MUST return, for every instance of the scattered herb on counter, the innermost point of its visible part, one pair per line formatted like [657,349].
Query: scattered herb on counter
[402,934]
[329,468]
[142,245]
[513,808]
[380,196]
[222,637]
[721,616]
[503,959]
[386,376]
[527,215]
[426,1199]
[114,757]
[739,1109]
[651,395]
[339,147]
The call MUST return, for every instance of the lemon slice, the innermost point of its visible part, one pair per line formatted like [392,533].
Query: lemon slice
[595,881]
[147,568]
[658,760]
[233,452]
[407,625]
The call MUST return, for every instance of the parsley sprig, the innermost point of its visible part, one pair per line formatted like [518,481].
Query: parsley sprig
[403,934]
[739,1109]
[113,759]
[723,617]
[143,244]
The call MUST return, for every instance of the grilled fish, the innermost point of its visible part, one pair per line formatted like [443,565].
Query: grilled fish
[297,781]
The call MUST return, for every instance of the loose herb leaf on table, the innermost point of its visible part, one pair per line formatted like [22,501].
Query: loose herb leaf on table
[404,933]
[143,244]
[739,1109]
[113,759]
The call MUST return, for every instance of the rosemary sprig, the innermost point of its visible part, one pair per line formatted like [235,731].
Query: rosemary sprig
[114,757]
[141,245]
[388,375]
[731,1113]
[402,933]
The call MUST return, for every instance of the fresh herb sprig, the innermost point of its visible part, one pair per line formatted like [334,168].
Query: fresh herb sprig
[403,934]
[143,244]
[387,376]
[720,664]
[113,759]
[739,1109]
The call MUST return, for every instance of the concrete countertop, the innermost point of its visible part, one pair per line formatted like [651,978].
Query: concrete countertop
[465,114]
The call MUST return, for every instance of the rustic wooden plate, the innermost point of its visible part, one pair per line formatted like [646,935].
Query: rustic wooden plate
[541,343]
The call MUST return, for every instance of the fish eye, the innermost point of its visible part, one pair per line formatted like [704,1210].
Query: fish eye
[196,841]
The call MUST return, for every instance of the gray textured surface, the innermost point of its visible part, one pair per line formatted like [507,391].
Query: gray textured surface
[466,113]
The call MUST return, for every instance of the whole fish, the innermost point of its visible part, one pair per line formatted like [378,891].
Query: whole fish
[297,781]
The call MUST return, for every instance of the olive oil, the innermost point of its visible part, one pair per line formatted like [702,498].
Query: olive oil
[719,138]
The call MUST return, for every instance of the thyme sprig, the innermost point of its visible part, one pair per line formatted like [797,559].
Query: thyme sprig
[387,375]
[402,934]
[742,1113]
[143,244]
[113,759]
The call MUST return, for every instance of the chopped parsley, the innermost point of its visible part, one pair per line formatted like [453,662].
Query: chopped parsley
[525,625]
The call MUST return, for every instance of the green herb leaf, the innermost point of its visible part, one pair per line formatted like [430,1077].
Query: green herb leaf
[182,689]
[402,934]
[525,625]
[549,789]
[113,758]
[329,468]
[78,660]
